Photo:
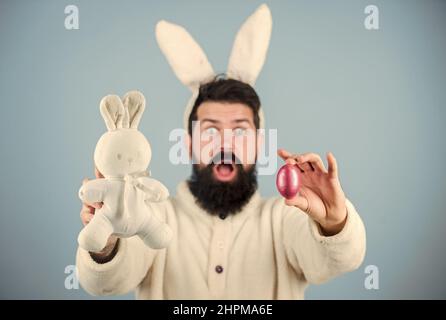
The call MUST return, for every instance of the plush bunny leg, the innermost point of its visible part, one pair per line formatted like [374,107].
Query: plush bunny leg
[155,233]
[95,234]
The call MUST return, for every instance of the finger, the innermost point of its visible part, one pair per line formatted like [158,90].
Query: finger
[84,181]
[302,167]
[289,158]
[94,205]
[299,202]
[97,173]
[314,161]
[86,207]
[86,218]
[293,162]
[332,166]
[306,166]
[284,154]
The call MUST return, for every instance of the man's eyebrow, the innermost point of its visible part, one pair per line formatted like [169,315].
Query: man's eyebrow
[210,120]
[241,120]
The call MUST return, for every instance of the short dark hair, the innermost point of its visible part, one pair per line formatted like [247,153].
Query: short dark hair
[221,89]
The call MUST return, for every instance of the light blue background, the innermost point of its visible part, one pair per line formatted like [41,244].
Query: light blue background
[374,98]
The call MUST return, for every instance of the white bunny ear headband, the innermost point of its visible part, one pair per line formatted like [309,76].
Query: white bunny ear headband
[125,113]
[191,66]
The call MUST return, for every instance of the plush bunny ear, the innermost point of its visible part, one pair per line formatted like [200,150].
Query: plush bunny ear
[113,112]
[134,105]
[184,55]
[250,46]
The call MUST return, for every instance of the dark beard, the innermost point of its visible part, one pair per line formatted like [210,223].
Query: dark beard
[222,198]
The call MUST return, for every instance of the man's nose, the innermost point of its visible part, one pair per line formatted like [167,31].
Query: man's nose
[227,141]
[227,146]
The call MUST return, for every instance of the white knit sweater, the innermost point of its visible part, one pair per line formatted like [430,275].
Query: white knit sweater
[267,251]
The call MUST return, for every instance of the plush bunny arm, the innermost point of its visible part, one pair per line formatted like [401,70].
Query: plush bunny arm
[93,191]
[155,190]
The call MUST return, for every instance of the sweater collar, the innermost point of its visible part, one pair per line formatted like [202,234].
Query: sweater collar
[188,200]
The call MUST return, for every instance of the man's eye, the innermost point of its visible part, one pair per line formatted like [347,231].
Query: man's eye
[238,132]
[211,131]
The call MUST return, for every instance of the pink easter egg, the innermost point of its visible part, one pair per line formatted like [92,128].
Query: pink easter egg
[287,181]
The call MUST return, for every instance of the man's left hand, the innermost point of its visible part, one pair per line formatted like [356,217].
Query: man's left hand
[320,193]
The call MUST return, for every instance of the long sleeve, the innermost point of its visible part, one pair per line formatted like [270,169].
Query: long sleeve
[318,257]
[120,275]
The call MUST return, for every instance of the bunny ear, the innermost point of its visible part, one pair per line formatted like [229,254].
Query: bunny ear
[250,46]
[134,105]
[184,55]
[112,110]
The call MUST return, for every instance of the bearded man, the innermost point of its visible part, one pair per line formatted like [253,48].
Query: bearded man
[227,241]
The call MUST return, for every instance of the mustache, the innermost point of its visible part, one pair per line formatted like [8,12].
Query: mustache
[217,197]
[225,158]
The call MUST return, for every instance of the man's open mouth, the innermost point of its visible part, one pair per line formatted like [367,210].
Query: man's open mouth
[225,170]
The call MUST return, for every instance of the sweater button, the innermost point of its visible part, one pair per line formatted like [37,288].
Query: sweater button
[222,216]
[219,269]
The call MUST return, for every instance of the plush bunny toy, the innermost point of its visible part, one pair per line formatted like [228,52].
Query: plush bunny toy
[123,155]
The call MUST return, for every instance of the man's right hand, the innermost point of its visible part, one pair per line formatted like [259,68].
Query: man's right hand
[87,213]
